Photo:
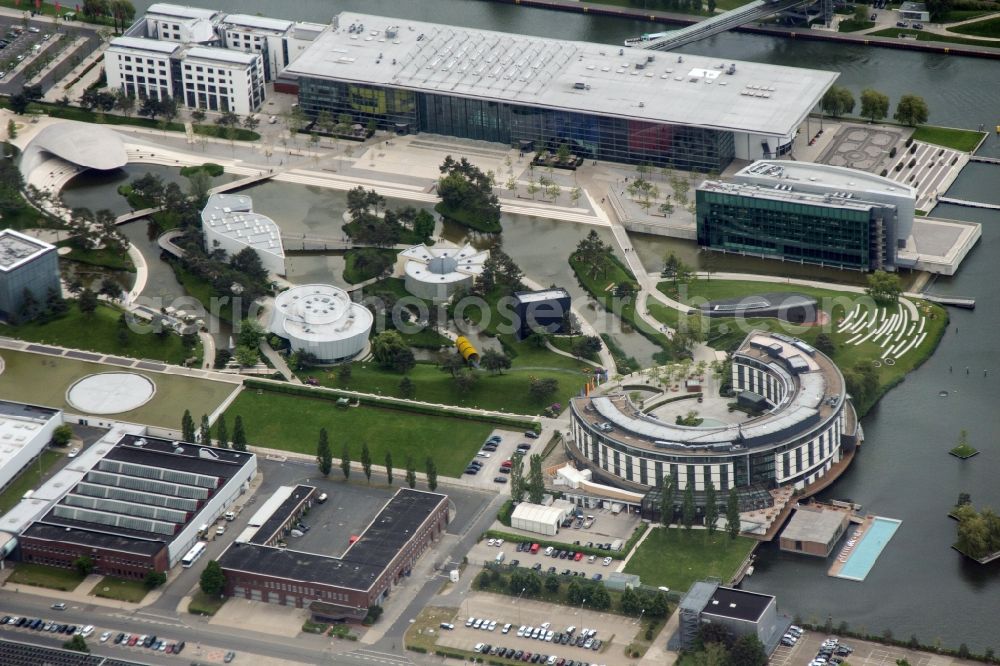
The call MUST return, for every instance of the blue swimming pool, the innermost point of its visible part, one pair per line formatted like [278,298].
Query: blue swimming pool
[867,550]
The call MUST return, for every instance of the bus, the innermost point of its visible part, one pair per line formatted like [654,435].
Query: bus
[192,555]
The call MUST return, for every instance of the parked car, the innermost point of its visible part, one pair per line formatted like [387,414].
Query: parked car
[229,656]
[105,636]
[74,452]
[531,435]
[499,479]
[918,26]
[606,562]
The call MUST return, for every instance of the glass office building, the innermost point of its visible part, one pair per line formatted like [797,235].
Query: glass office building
[590,136]
[814,229]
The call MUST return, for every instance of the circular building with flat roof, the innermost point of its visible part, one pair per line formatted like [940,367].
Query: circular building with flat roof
[435,273]
[110,392]
[321,319]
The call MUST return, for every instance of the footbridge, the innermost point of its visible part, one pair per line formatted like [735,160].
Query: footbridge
[970,204]
[312,243]
[749,13]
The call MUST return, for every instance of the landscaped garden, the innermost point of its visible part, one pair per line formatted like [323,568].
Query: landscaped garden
[99,331]
[676,558]
[450,441]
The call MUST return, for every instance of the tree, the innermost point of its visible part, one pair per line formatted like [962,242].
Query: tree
[587,347]
[213,579]
[552,584]
[824,343]
[411,472]
[187,427]
[495,361]
[407,389]
[541,389]
[246,356]
[839,101]
[154,579]
[388,467]
[19,103]
[466,381]
[747,650]
[205,431]
[938,9]
[87,302]
[452,362]
[432,475]
[62,435]
[733,514]
[874,105]
[345,461]
[884,288]
[77,643]
[517,484]
[711,508]
[687,508]
[366,461]
[221,433]
[84,565]
[667,489]
[324,455]
[466,192]
[911,110]
[251,122]
[423,224]
[11,129]
[387,347]
[536,482]
[198,115]
[593,253]
[239,437]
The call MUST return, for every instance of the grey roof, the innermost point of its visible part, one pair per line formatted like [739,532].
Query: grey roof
[83,144]
[17,249]
[363,562]
[697,596]
[576,76]
[220,55]
[232,216]
[738,604]
[813,524]
[256,22]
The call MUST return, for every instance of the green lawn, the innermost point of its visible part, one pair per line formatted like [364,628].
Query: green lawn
[40,575]
[110,587]
[924,36]
[850,25]
[450,441]
[600,287]
[29,479]
[676,558]
[564,343]
[986,28]
[949,137]
[99,332]
[507,392]
[723,334]
[202,604]
[219,132]
[43,380]
[106,258]
[956,15]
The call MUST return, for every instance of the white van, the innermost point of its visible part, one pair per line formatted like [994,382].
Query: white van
[322,498]
[500,557]
[230,515]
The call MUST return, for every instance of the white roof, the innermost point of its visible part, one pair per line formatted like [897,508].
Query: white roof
[538,513]
[143,44]
[320,313]
[221,55]
[558,74]
[822,175]
[260,22]
[544,295]
[232,216]
[179,11]
[17,249]
[272,504]
[443,263]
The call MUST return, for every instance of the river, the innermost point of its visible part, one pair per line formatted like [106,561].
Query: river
[919,585]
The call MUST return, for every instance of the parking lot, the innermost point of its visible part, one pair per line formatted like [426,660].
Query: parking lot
[509,439]
[865,653]
[482,552]
[129,643]
[614,631]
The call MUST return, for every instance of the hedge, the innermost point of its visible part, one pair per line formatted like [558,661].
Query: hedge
[386,402]
[562,545]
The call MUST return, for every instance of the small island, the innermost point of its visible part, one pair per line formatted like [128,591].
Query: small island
[963,449]
[978,533]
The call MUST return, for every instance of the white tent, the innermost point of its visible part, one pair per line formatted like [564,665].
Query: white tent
[537,518]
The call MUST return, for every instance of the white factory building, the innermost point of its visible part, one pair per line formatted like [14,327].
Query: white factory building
[229,224]
[321,319]
[435,273]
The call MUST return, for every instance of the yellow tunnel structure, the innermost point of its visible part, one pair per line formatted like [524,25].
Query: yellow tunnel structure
[466,349]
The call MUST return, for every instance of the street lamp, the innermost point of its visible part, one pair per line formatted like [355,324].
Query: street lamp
[519,605]
[581,607]
[643,612]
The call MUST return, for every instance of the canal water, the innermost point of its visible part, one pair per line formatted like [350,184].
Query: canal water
[919,585]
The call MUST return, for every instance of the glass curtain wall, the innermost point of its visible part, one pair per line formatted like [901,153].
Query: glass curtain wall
[589,136]
[789,230]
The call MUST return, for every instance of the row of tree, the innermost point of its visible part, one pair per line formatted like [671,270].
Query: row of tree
[203,433]
[911,110]
[688,510]
[324,462]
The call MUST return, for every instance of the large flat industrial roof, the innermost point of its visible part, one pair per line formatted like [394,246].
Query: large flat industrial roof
[702,91]
[17,249]
[361,565]
[816,525]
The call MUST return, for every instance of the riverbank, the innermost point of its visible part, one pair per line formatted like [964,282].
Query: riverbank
[658,16]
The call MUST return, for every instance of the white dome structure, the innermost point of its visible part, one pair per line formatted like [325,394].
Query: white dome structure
[321,319]
[435,273]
